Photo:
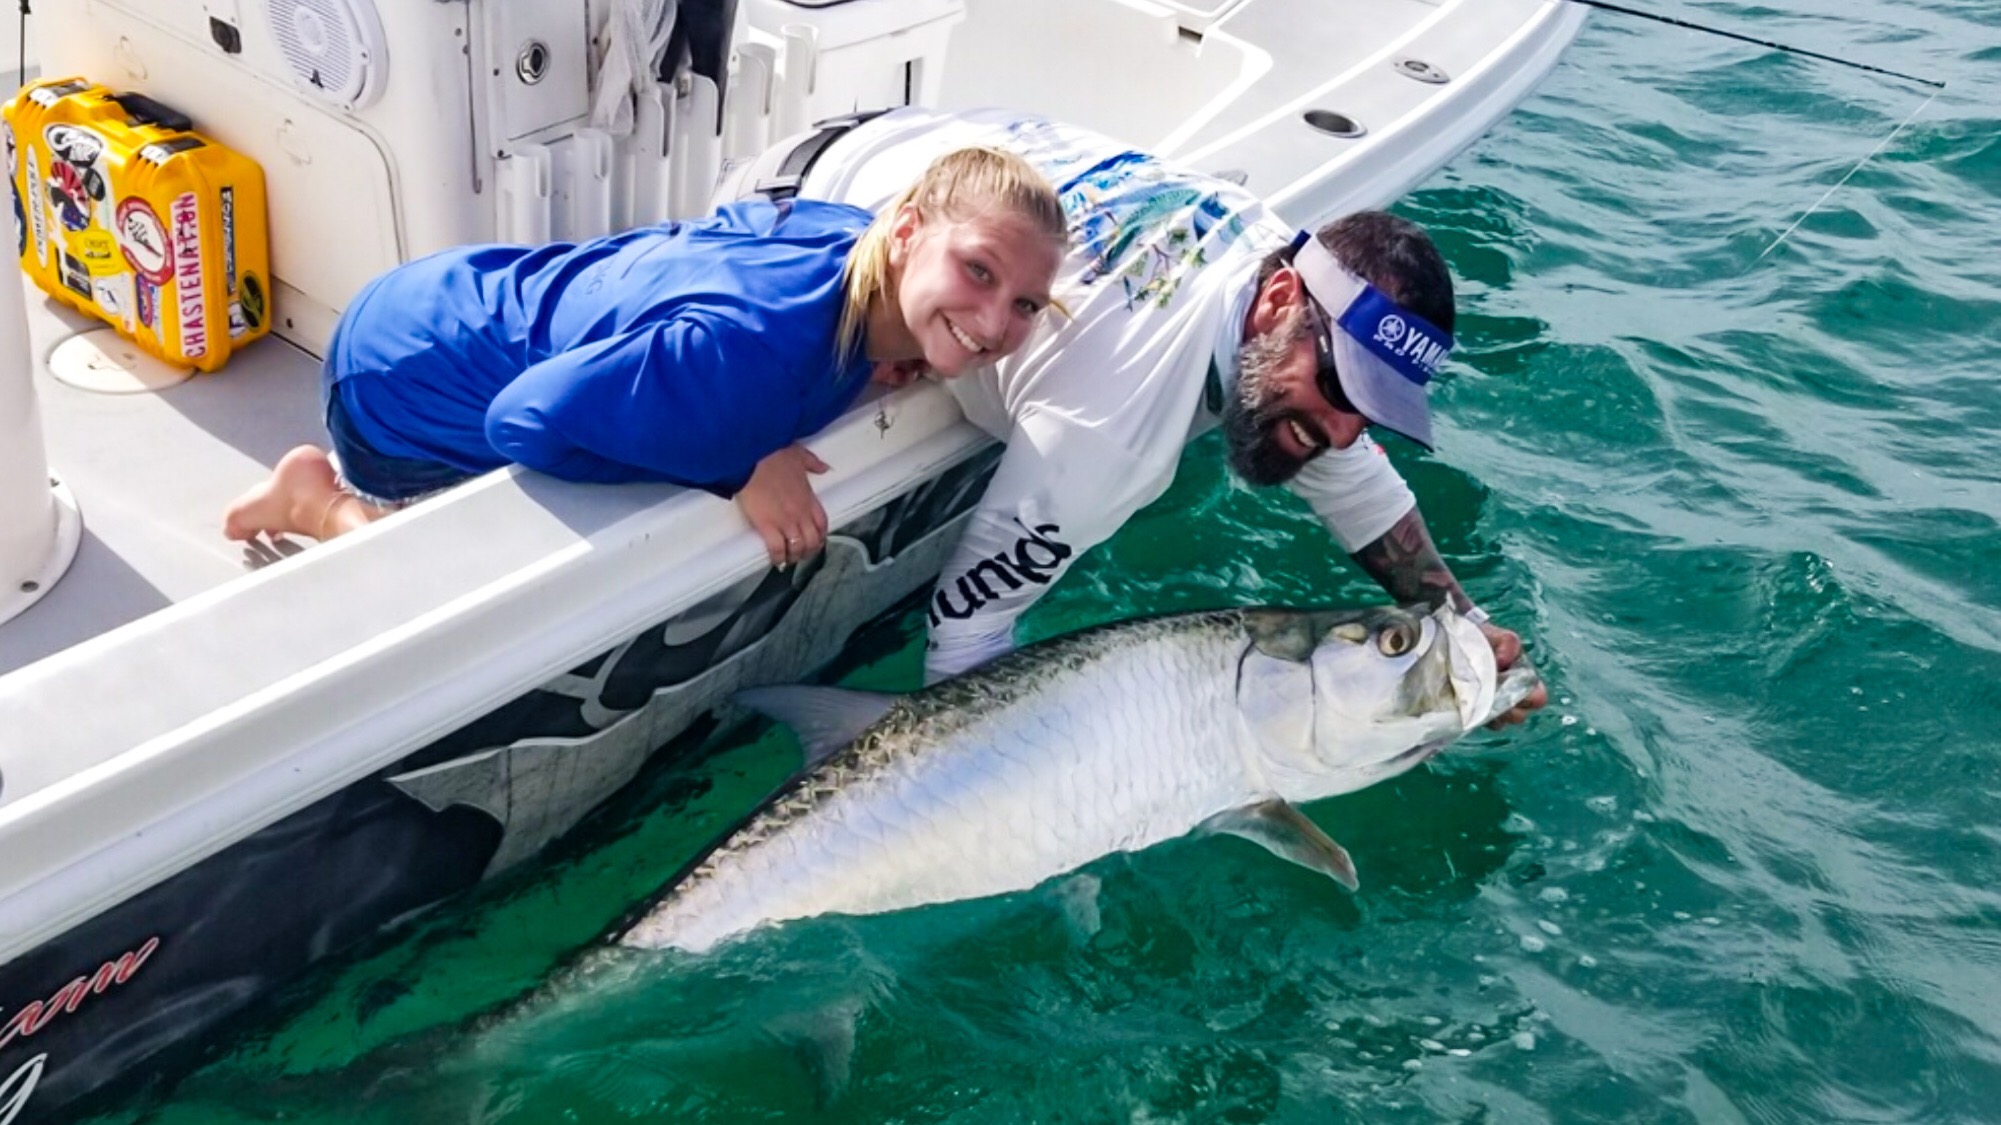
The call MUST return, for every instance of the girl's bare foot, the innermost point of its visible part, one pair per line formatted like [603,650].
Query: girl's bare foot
[295,501]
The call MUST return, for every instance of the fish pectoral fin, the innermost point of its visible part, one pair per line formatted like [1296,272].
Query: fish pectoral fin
[1285,832]
[823,1043]
[824,718]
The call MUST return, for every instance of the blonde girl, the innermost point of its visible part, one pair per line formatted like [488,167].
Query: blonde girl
[696,353]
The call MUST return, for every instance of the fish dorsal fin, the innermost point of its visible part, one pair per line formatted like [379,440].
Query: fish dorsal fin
[1285,832]
[824,718]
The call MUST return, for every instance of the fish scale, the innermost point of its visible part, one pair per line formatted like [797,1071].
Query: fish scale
[1049,756]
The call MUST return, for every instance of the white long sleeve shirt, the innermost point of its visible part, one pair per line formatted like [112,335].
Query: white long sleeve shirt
[1096,407]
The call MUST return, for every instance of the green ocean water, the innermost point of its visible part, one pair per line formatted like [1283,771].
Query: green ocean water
[1747,512]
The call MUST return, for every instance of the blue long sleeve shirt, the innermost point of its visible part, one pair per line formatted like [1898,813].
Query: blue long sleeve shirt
[684,352]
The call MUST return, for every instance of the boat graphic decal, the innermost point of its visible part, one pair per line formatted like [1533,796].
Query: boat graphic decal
[580,737]
[465,807]
[19,1087]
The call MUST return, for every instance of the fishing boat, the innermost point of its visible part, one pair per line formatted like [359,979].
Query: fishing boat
[219,766]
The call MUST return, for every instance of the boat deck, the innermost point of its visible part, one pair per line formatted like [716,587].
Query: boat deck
[152,472]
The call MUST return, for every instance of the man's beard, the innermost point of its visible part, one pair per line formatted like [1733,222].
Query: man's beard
[1251,417]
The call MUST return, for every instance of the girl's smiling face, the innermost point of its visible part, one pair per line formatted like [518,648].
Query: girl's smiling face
[967,290]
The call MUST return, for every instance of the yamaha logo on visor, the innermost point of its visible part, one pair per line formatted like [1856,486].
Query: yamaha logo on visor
[1397,336]
[1410,345]
[1376,356]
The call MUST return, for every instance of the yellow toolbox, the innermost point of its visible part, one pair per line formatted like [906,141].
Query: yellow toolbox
[122,210]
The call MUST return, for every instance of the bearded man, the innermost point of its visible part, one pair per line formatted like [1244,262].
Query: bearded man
[1185,304]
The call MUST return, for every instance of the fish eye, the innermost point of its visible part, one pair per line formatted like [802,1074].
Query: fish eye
[1395,640]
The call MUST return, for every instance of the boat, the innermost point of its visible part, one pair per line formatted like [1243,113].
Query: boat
[220,766]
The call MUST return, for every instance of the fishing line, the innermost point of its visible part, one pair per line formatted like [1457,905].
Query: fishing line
[1936,85]
[1885,143]
[1759,42]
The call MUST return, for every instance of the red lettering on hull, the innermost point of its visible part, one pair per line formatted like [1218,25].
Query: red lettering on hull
[38,1014]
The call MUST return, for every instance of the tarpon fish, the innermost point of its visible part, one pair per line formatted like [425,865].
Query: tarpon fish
[1112,739]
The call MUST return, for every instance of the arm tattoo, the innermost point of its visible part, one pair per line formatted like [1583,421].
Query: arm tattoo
[1406,564]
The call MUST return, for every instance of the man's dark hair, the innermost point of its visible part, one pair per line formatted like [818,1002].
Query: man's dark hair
[1390,253]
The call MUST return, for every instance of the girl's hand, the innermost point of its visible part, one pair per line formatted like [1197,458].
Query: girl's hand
[780,506]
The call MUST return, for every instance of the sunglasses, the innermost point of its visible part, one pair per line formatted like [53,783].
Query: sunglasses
[1328,376]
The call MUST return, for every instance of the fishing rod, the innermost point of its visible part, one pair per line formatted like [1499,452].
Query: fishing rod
[1742,38]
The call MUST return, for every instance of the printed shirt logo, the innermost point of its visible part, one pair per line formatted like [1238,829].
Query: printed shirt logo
[1036,558]
[1133,217]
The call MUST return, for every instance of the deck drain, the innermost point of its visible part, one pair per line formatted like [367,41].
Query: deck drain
[1334,124]
[103,362]
[1422,71]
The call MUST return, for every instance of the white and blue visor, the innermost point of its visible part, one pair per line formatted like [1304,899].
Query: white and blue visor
[1382,354]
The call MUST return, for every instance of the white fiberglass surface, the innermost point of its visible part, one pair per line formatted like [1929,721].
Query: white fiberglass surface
[152,473]
[1158,76]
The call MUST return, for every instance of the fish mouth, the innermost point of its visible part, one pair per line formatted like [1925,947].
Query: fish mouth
[1418,755]
[1471,668]
[1480,689]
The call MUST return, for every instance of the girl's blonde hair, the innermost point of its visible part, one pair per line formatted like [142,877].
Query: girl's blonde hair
[957,186]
